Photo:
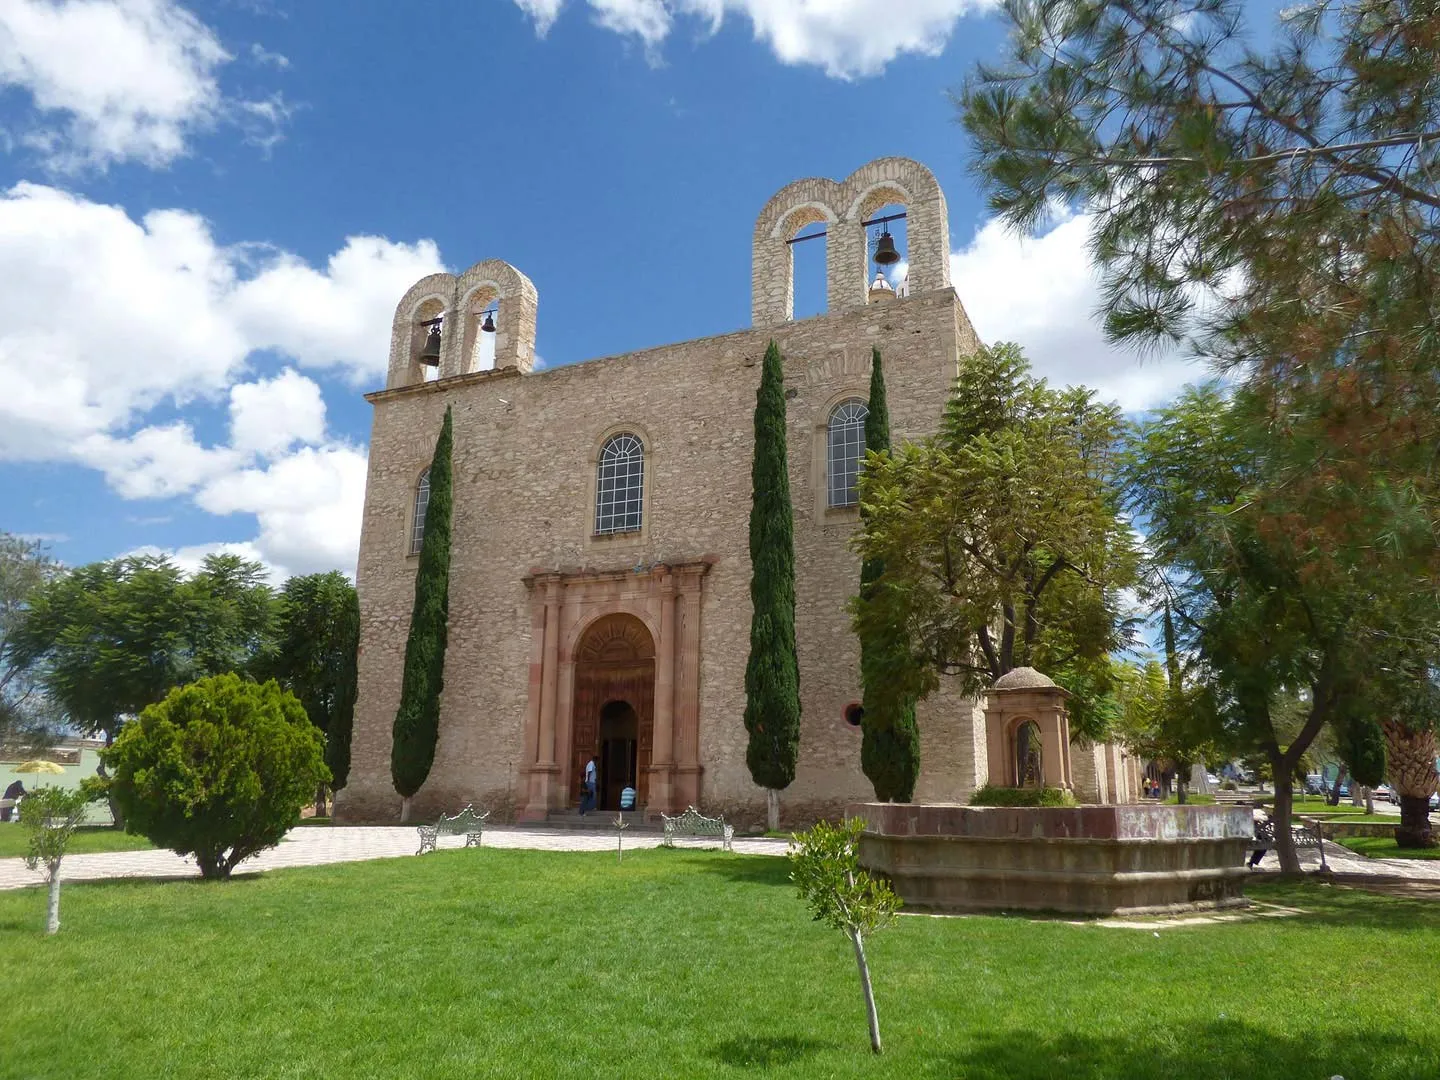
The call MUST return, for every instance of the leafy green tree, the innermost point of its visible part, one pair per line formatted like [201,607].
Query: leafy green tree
[28,717]
[109,638]
[51,814]
[1001,538]
[889,739]
[825,867]
[314,657]
[1268,620]
[772,673]
[417,721]
[1270,194]
[220,769]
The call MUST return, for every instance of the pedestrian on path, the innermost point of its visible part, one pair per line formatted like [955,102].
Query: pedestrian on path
[587,788]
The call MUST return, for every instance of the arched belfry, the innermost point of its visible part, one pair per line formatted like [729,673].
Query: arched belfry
[843,207]
[492,297]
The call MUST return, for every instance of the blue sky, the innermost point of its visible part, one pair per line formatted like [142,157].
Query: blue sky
[208,212]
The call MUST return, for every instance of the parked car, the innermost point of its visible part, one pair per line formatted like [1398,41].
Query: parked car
[1381,792]
[1314,784]
[1211,779]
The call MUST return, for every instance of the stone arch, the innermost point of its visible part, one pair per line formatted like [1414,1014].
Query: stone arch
[614,658]
[927,224]
[428,297]
[492,281]
[772,272]
[844,206]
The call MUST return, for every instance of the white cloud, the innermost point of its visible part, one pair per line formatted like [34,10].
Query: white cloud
[105,318]
[115,80]
[269,416]
[847,38]
[543,12]
[1043,293]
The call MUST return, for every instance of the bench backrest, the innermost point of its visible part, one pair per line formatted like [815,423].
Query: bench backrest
[694,821]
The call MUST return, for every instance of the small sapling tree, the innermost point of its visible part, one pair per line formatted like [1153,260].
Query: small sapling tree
[51,814]
[825,867]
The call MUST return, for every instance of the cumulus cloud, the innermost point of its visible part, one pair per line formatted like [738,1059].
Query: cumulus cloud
[112,80]
[1042,293]
[105,319]
[848,39]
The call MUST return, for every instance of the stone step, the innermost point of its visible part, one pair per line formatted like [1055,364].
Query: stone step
[598,821]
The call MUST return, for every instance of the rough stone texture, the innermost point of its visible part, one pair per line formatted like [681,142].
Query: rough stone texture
[525,450]
[1092,859]
[1023,678]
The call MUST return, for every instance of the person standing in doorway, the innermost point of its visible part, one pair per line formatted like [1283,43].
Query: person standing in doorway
[587,788]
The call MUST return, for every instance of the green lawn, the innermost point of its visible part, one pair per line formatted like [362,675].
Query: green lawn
[15,840]
[688,964]
[1384,847]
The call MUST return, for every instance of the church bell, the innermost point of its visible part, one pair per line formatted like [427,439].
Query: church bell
[489,324]
[430,353]
[885,253]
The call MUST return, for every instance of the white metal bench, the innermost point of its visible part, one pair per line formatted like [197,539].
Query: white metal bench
[694,823]
[466,822]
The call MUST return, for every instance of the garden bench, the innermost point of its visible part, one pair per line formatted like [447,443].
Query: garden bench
[1299,834]
[694,823]
[466,822]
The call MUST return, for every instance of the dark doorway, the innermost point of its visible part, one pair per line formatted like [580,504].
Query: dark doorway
[619,743]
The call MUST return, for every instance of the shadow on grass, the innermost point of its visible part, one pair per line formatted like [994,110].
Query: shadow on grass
[748,869]
[1347,905]
[1217,1051]
[767,1051]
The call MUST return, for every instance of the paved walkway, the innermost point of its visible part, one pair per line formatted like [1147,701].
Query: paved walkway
[315,846]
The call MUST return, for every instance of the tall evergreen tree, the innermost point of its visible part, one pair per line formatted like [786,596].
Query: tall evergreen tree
[772,674]
[417,721]
[890,741]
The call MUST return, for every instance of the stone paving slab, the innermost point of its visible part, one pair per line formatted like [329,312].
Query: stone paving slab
[1342,860]
[316,846]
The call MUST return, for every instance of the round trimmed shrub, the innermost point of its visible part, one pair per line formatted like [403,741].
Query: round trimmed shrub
[220,769]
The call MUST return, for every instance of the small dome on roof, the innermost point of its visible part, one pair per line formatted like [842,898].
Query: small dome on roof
[1023,678]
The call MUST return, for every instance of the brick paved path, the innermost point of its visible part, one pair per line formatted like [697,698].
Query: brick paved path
[316,845]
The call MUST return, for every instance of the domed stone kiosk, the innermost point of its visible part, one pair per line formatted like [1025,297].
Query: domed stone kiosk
[1111,859]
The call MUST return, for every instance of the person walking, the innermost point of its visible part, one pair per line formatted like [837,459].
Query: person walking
[587,788]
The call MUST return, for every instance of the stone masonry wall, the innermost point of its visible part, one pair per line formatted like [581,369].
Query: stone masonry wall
[524,500]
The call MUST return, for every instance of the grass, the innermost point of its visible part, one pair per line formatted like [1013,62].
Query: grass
[1384,847]
[502,963]
[15,840]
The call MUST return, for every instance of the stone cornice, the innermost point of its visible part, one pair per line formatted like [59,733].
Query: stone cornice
[695,568]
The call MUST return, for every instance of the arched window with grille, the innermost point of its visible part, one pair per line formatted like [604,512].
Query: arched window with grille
[620,485]
[846,451]
[417,522]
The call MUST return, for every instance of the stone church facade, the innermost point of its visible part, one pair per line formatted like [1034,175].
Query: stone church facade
[599,580]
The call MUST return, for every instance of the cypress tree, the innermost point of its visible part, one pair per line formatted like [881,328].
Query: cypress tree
[417,721]
[890,741]
[772,674]
[337,739]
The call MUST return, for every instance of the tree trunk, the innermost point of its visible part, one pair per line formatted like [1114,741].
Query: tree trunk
[1369,800]
[117,816]
[1414,830]
[320,800]
[404,809]
[1334,797]
[1410,757]
[213,866]
[1179,792]
[1284,806]
[52,908]
[772,809]
[870,1013]
[1358,795]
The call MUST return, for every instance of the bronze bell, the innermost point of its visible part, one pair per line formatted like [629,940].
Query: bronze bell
[430,353]
[489,324]
[885,253]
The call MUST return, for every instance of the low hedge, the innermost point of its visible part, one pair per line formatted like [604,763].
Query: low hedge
[990,795]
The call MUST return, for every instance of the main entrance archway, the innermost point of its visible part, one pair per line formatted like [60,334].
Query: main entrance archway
[614,717]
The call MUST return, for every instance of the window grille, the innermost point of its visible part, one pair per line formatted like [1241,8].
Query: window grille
[847,451]
[422,501]
[620,485]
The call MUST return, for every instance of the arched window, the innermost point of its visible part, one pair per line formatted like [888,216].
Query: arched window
[847,450]
[417,523]
[620,485]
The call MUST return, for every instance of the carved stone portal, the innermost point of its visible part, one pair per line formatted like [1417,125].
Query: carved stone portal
[615,660]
